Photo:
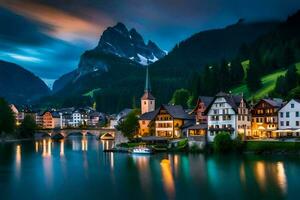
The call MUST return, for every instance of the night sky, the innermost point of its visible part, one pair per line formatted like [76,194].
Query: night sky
[47,37]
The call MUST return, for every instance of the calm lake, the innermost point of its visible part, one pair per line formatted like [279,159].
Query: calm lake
[77,168]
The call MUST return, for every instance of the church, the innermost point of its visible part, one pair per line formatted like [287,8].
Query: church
[165,121]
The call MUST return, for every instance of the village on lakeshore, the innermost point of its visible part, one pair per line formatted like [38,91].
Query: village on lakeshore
[269,119]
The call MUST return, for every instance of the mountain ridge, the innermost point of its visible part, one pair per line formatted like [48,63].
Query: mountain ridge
[20,86]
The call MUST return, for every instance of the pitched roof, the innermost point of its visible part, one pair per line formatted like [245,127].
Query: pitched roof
[205,99]
[198,126]
[94,114]
[285,103]
[123,113]
[55,114]
[148,96]
[274,102]
[149,115]
[297,100]
[233,100]
[176,111]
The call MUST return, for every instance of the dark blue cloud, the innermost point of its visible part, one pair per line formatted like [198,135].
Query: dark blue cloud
[17,29]
[31,42]
[25,42]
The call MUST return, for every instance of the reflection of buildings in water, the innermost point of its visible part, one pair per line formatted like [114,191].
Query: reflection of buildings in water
[47,148]
[281,177]
[260,174]
[76,145]
[142,163]
[276,175]
[174,163]
[109,157]
[243,174]
[84,144]
[213,173]
[168,180]
[36,147]
[107,144]
[62,148]
[47,161]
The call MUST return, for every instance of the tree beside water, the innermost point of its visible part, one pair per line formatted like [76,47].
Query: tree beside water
[129,126]
[28,127]
[7,118]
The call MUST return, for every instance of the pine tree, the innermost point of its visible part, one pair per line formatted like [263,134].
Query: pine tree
[291,77]
[280,88]
[224,76]
[253,79]
[236,72]
[28,127]
[288,57]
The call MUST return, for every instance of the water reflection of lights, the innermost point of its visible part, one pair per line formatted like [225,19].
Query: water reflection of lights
[62,148]
[106,144]
[47,148]
[260,175]
[281,177]
[176,162]
[168,179]
[243,173]
[111,158]
[84,144]
[18,158]
[142,163]
[36,147]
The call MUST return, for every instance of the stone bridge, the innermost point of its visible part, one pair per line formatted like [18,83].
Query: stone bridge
[77,132]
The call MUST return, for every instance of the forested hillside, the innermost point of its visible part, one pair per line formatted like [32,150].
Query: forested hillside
[119,83]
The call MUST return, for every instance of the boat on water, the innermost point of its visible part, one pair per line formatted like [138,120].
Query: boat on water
[142,150]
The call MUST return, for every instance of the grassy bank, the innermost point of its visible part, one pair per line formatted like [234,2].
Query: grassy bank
[268,84]
[271,146]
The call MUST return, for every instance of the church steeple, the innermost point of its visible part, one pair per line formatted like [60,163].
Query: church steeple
[147,100]
[147,82]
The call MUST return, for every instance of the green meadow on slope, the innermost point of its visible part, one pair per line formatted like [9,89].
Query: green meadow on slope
[268,82]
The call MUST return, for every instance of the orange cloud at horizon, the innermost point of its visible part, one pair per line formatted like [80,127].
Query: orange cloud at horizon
[61,24]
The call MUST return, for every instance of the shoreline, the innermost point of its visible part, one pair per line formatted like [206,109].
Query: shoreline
[264,152]
[15,140]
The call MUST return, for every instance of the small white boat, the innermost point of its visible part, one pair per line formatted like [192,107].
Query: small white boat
[142,150]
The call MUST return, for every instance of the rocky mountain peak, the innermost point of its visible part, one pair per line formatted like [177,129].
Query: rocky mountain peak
[136,37]
[120,27]
[120,41]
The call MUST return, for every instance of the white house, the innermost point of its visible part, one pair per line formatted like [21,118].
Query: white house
[80,117]
[228,113]
[289,119]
